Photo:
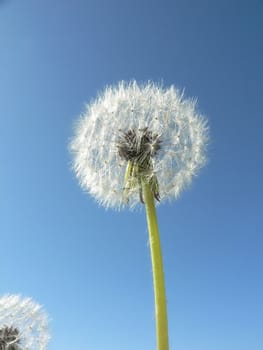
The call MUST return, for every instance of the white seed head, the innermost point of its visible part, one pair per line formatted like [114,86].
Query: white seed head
[23,324]
[132,122]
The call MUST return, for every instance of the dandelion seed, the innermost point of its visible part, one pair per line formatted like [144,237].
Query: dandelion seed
[23,324]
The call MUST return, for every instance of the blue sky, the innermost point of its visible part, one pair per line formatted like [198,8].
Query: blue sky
[90,267]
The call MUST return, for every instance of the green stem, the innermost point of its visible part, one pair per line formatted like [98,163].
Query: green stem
[157,267]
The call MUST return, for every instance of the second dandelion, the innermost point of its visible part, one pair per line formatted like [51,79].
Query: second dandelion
[23,324]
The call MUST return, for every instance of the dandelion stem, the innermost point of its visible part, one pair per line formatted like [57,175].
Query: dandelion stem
[157,268]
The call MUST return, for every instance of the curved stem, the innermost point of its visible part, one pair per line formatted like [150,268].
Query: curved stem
[157,268]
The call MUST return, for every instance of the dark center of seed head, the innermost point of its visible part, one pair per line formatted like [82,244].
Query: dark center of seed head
[9,338]
[138,146]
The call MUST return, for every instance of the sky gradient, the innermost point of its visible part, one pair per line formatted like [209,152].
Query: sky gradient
[89,267]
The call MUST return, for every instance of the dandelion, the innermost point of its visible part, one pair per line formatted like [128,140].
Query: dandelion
[140,144]
[23,324]
[154,128]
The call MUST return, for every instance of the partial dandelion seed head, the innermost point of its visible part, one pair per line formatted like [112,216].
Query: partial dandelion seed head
[23,324]
[147,125]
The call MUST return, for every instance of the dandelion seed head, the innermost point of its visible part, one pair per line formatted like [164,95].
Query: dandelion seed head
[144,124]
[23,324]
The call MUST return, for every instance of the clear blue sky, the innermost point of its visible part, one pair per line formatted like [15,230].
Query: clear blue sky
[90,267]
